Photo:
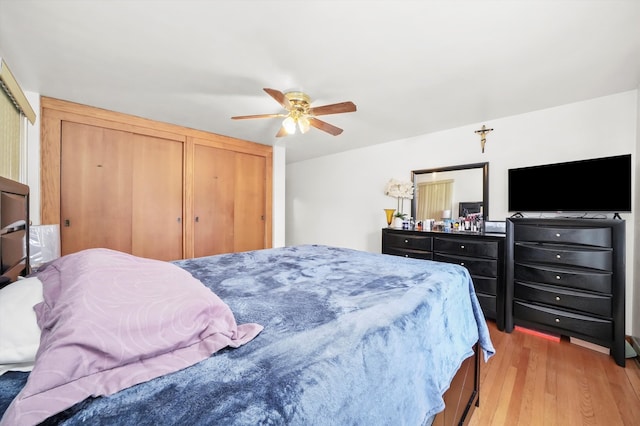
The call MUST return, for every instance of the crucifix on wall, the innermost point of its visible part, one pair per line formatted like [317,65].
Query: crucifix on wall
[483,135]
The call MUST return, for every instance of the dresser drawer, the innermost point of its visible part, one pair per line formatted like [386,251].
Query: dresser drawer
[417,242]
[595,281]
[562,320]
[476,266]
[485,285]
[600,237]
[595,258]
[12,245]
[488,305]
[466,247]
[589,303]
[407,252]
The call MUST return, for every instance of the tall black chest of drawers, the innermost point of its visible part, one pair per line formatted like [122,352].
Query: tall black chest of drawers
[567,277]
[481,254]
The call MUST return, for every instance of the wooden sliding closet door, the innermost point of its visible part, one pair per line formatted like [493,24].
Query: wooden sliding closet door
[157,198]
[96,196]
[229,201]
[122,191]
[213,200]
[149,188]
[249,223]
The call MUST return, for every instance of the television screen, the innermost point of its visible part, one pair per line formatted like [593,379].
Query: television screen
[594,185]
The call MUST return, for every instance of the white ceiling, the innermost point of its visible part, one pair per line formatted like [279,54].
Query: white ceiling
[411,67]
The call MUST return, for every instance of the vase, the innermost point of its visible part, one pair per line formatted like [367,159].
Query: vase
[397,223]
[389,213]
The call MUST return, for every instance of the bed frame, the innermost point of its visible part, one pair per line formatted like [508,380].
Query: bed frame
[461,398]
[463,395]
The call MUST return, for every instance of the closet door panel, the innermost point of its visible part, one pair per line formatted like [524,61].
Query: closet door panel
[157,225]
[96,192]
[249,224]
[214,186]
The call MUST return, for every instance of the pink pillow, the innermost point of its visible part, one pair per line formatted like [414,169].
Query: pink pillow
[109,321]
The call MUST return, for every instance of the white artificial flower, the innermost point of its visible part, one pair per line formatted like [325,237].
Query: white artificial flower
[399,189]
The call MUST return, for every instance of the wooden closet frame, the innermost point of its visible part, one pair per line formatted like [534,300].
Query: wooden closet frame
[54,111]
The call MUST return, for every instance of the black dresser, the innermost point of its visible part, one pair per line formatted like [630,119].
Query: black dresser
[481,254]
[567,277]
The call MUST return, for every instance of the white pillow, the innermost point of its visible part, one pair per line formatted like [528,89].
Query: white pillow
[19,331]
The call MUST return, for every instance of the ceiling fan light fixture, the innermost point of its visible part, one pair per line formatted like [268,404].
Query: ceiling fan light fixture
[303,124]
[289,125]
[301,114]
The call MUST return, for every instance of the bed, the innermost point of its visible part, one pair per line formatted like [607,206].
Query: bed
[302,335]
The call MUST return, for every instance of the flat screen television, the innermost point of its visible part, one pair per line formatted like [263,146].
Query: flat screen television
[593,185]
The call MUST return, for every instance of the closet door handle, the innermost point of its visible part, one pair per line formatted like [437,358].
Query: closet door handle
[197,218]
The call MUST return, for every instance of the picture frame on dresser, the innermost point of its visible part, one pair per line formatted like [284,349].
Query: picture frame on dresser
[566,276]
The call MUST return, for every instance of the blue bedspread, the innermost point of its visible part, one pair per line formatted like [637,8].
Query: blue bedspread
[349,338]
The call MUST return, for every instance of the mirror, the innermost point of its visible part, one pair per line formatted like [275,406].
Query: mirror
[468,185]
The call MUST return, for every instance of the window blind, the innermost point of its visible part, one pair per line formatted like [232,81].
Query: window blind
[13,107]
[9,138]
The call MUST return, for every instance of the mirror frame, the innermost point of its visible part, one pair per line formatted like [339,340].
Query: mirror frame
[485,183]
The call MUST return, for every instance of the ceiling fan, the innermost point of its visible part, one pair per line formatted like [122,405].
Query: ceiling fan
[300,114]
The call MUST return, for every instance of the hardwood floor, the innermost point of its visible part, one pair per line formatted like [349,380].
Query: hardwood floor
[535,381]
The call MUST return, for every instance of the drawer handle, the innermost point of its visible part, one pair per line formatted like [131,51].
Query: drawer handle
[557,298]
[557,320]
[462,247]
[557,256]
[406,255]
[461,263]
[557,277]
[406,241]
[558,235]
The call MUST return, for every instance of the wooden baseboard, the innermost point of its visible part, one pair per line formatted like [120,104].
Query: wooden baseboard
[590,345]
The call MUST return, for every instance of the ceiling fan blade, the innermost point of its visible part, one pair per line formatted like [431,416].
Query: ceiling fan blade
[244,117]
[279,97]
[324,126]
[282,132]
[333,108]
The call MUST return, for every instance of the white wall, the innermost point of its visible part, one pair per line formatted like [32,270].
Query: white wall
[279,169]
[33,159]
[339,200]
